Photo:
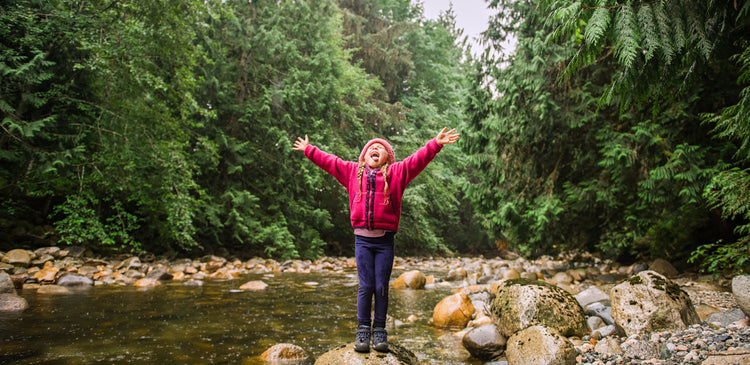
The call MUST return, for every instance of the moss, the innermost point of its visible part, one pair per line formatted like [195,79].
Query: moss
[634,280]
[673,290]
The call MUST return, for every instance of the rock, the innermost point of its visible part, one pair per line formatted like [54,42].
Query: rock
[510,274]
[484,342]
[12,303]
[663,267]
[731,357]
[641,349]
[17,257]
[6,284]
[537,345]
[51,250]
[456,275]
[725,318]
[608,346]
[649,302]
[453,311]
[522,303]
[561,278]
[147,283]
[74,280]
[345,355]
[47,274]
[159,274]
[590,295]
[131,263]
[73,251]
[414,279]
[53,289]
[705,310]
[600,310]
[741,292]
[254,285]
[193,282]
[286,353]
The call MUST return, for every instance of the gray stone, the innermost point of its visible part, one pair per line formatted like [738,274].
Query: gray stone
[540,345]
[484,342]
[741,292]
[521,303]
[345,355]
[600,310]
[74,280]
[6,284]
[12,303]
[649,302]
[725,318]
[159,274]
[644,350]
[590,295]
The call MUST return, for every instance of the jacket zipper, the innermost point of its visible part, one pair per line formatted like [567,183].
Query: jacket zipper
[370,202]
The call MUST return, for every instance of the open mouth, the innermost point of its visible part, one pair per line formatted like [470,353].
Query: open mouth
[375,156]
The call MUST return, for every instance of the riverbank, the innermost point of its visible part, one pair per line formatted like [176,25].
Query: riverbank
[42,269]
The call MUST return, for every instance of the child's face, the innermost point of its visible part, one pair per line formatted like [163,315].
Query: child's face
[376,155]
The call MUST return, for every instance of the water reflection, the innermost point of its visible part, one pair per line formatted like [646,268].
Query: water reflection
[210,324]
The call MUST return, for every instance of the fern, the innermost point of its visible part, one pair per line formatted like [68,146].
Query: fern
[597,25]
[648,30]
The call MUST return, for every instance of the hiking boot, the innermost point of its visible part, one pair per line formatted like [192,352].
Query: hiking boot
[362,340]
[380,339]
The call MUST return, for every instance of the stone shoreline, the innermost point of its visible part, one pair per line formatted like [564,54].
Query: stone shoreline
[717,341]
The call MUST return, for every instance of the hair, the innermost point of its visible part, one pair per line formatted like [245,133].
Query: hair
[384,170]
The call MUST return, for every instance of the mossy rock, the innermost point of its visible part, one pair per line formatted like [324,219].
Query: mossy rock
[521,303]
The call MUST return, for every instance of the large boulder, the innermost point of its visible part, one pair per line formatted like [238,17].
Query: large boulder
[522,303]
[453,311]
[649,302]
[287,354]
[345,355]
[12,303]
[538,345]
[414,279]
[741,292]
[484,342]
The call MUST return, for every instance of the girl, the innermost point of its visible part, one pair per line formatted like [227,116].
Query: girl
[375,185]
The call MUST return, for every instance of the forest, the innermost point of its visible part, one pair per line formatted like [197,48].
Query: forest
[617,127]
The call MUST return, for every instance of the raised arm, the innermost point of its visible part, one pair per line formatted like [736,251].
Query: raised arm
[300,144]
[444,137]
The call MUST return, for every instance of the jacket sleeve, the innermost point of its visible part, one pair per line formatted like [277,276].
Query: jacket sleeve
[414,164]
[331,164]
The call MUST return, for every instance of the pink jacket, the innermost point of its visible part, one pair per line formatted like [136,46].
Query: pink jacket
[371,210]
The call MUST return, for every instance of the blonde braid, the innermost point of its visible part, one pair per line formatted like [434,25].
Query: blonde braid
[384,169]
[360,171]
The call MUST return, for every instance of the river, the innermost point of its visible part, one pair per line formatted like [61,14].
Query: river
[213,324]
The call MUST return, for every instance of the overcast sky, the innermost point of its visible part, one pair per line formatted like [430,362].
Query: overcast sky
[471,15]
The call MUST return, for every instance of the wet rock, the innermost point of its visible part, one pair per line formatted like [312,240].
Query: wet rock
[53,251]
[345,355]
[414,279]
[484,342]
[254,285]
[17,257]
[649,302]
[454,311]
[159,274]
[663,267]
[725,318]
[47,274]
[456,275]
[53,289]
[540,345]
[70,280]
[12,303]
[6,284]
[590,295]
[522,303]
[741,292]
[131,263]
[73,251]
[147,283]
[287,354]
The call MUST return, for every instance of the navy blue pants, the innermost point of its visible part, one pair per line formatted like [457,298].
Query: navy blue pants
[374,264]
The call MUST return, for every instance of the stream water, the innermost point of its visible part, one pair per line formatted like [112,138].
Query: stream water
[212,324]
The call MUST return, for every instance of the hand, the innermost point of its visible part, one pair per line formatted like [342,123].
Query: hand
[444,137]
[300,144]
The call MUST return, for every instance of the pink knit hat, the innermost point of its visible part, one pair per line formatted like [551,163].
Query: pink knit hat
[391,155]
